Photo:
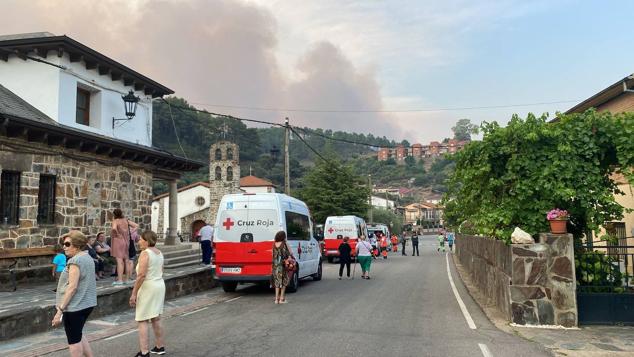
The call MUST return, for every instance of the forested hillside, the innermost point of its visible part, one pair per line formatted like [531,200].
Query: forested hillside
[261,149]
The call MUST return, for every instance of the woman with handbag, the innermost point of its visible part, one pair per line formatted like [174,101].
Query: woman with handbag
[122,245]
[283,264]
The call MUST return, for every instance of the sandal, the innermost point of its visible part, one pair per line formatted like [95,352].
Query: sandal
[283,301]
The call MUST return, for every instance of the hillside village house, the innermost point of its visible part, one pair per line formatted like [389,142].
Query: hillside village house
[194,204]
[70,151]
[617,98]
[424,211]
[419,151]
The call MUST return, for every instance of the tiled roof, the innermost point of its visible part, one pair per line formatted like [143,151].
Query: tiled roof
[252,181]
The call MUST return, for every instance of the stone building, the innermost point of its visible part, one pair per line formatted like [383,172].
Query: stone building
[224,173]
[65,163]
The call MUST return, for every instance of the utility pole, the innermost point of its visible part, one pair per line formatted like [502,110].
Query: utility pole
[287,171]
[370,198]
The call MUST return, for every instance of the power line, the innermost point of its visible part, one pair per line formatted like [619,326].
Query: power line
[334,165]
[419,110]
[344,140]
[178,140]
[15,52]
[313,132]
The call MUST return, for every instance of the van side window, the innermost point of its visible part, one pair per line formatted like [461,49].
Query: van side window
[297,226]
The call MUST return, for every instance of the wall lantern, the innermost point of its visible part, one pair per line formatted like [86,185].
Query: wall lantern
[130,102]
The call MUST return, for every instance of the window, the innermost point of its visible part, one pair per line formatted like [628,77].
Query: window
[10,197]
[82,115]
[218,154]
[229,173]
[218,173]
[229,154]
[46,200]
[297,226]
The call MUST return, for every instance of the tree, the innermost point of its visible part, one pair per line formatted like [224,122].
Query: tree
[331,189]
[518,173]
[410,161]
[464,129]
[382,215]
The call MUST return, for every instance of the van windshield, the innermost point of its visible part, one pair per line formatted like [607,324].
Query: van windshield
[247,225]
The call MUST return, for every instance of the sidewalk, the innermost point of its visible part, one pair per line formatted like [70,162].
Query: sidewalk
[30,309]
[109,326]
[590,341]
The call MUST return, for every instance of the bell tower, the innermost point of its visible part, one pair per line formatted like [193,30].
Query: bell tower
[224,174]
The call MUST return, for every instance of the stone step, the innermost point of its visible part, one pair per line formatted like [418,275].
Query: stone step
[174,248]
[180,265]
[180,253]
[188,258]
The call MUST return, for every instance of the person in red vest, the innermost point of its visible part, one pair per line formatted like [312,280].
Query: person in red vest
[394,243]
[383,245]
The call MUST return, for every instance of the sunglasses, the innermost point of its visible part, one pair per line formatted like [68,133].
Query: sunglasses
[67,244]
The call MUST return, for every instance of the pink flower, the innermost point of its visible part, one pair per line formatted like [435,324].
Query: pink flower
[557,214]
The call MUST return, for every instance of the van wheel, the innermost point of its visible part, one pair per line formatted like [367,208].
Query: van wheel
[293,285]
[229,286]
[331,259]
[317,276]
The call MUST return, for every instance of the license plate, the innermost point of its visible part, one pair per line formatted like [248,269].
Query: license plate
[237,270]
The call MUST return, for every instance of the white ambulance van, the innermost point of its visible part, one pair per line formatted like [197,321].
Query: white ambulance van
[338,227]
[246,225]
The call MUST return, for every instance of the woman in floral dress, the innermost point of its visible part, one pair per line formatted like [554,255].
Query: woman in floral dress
[280,274]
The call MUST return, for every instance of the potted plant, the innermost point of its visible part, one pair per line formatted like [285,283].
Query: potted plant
[557,219]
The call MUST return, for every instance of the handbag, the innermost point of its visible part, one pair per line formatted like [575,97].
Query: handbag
[133,238]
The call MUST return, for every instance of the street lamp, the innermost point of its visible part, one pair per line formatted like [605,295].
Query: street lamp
[130,103]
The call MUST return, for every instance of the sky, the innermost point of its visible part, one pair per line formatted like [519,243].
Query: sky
[404,69]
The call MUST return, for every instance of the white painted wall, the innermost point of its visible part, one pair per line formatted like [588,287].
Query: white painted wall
[382,202]
[186,206]
[54,92]
[258,189]
[155,215]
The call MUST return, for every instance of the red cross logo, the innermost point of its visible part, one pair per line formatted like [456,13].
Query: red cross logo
[228,223]
[330,230]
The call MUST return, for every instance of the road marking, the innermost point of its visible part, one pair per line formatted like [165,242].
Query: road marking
[460,302]
[103,323]
[485,350]
[119,335]
[234,299]
[195,311]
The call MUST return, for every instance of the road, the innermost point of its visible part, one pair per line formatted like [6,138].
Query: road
[408,308]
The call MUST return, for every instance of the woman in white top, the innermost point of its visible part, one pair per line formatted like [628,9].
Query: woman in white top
[148,294]
[364,255]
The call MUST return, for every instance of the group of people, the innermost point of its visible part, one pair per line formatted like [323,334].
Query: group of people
[76,294]
[444,236]
[364,251]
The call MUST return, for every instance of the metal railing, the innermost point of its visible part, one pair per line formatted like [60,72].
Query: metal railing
[607,269]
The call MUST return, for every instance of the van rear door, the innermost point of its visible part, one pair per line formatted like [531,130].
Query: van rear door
[244,241]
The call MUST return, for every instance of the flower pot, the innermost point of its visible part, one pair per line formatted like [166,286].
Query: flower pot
[558,226]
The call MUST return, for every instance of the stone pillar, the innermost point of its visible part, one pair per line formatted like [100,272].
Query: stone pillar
[173,215]
[543,289]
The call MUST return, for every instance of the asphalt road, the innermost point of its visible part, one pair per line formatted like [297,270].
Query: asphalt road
[408,308]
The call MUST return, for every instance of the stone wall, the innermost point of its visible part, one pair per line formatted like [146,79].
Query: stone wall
[87,190]
[21,322]
[488,262]
[532,284]
[544,285]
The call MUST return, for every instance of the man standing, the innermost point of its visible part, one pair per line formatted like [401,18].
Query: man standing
[206,235]
[403,243]
[415,244]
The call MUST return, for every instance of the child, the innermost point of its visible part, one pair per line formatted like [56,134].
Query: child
[59,264]
[441,242]
[450,239]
